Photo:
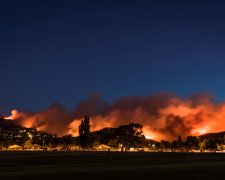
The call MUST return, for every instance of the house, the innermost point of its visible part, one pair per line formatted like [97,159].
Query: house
[15,147]
[102,147]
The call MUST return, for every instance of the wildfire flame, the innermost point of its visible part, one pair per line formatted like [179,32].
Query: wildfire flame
[13,115]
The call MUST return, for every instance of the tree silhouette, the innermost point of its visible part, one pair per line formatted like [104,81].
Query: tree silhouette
[179,142]
[84,132]
[174,145]
[130,135]
[192,142]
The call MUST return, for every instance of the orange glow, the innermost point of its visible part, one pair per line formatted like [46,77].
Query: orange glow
[149,136]
[74,127]
[176,117]
[13,115]
[193,120]
[200,131]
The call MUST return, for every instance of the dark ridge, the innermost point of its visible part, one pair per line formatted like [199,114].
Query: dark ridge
[7,123]
[218,135]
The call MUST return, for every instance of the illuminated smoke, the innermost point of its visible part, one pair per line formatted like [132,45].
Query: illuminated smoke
[53,119]
[163,116]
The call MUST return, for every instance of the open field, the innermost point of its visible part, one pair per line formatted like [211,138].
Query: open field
[119,165]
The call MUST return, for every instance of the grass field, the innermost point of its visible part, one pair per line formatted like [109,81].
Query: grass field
[119,165]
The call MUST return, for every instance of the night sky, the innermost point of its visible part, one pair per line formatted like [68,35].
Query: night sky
[60,51]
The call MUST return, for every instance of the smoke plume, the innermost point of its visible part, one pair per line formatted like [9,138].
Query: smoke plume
[163,116]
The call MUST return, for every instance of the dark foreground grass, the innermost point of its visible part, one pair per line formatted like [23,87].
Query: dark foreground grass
[97,165]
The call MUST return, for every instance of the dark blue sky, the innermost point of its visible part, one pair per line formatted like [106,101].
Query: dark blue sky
[62,50]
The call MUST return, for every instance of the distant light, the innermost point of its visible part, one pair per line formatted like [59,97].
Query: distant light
[30,135]
[148,137]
